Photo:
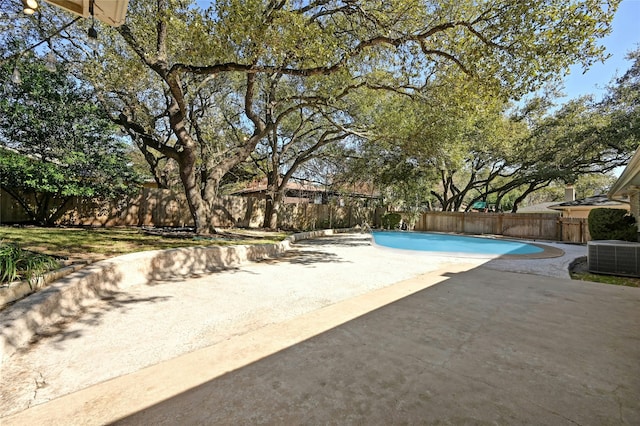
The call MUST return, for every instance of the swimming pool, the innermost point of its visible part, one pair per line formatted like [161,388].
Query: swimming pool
[423,241]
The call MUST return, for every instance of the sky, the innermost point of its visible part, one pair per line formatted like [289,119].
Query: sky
[624,38]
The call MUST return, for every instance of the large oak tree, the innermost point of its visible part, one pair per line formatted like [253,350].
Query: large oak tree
[185,83]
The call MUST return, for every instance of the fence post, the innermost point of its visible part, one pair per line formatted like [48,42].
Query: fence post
[464,225]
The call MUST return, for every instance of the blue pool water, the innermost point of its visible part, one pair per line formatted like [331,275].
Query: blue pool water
[451,243]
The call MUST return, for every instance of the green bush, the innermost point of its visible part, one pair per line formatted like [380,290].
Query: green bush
[612,224]
[391,221]
[19,264]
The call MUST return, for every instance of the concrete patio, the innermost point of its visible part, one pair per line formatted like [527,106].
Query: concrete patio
[337,331]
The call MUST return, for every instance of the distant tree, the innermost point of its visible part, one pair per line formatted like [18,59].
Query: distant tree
[586,185]
[55,143]
[594,184]
[300,134]
[444,146]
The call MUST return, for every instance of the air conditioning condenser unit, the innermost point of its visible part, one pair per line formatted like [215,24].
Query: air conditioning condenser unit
[614,257]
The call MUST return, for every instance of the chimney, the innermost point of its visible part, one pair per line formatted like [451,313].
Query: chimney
[569,193]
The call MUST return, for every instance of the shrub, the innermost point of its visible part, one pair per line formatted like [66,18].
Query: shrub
[19,264]
[391,220]
[612,224]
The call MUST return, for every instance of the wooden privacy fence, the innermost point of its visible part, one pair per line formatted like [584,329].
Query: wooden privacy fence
[575,230]
[538,226]
[160,208]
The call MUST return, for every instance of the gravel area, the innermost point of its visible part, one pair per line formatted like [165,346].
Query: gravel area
[553,267]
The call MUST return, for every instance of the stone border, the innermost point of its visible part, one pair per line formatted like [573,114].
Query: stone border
[65,297]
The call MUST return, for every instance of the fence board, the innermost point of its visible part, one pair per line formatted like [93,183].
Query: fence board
[157,207]
[10,210]
[543,226]
[160,208]
[575,230]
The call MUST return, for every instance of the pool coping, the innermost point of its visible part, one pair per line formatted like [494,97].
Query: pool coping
[548,252]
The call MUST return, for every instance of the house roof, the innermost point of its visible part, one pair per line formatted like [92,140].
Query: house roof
[261,186]
[588,203]
[539,208]
[629,180]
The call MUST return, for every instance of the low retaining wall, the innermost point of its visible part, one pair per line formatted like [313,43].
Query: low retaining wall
[65,298]
[20,289]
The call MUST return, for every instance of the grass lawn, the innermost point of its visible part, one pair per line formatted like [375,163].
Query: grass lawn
[100,243]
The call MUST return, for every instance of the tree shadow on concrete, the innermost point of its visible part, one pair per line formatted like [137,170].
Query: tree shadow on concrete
[99,287]
[65,299]
[89,315]
[195,275]
[193,262]
[303,257]
[338,241]
[182,263]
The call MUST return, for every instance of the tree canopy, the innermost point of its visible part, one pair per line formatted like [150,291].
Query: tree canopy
[193,86]
[499,154]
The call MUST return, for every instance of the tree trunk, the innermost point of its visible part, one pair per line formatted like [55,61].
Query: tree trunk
[272,211]
[59,211]
[21,198]
[268,211]
[201,213]
[42,208]
[275,197]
